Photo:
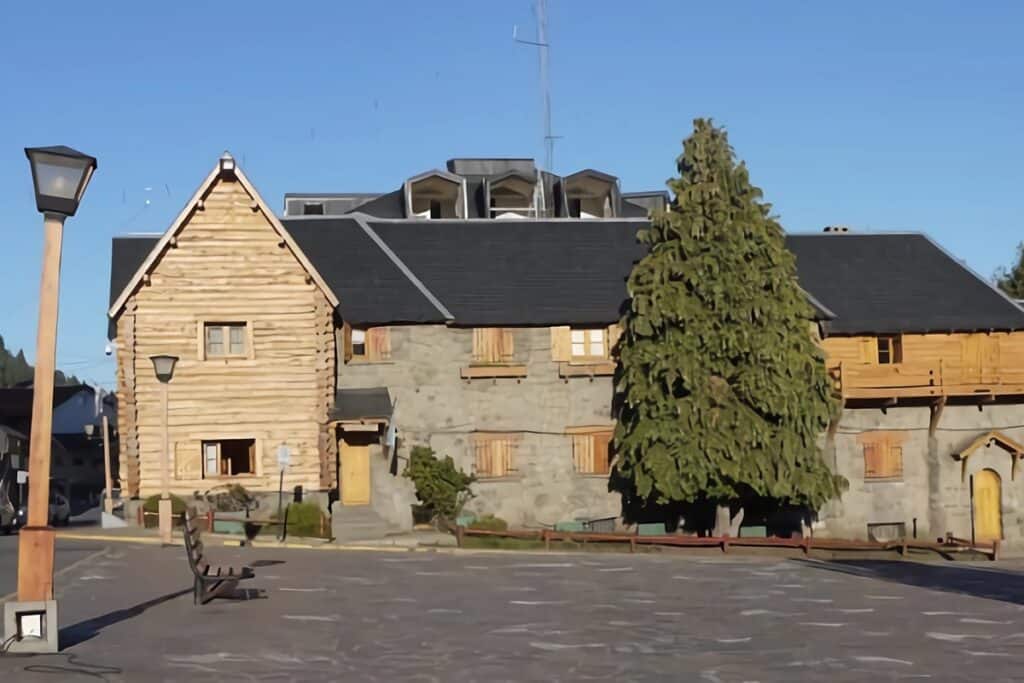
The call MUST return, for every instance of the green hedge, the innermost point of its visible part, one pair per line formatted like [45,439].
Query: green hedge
[307,519]
[490,523]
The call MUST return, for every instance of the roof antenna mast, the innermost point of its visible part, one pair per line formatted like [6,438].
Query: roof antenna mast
[541,10]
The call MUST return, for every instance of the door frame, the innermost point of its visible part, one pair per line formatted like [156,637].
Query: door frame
[974,504]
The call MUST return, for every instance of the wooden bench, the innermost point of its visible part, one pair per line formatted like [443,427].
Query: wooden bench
[210,582]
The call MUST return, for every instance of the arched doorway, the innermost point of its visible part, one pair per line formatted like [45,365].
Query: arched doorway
[988,506]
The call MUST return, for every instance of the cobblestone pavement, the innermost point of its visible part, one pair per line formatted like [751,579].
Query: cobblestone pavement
[376,616]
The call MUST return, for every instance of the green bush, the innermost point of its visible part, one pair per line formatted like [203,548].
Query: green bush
[306,519]
[440,486]
[490,523]
[152,504]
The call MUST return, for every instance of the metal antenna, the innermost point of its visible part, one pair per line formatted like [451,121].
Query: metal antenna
[541,10]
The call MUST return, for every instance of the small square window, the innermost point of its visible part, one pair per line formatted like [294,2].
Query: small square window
[313,209]
[589,344]
[225,340]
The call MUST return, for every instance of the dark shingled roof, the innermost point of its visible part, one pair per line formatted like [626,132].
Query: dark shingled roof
[573,272]
[361,404]
[371,289]
[546,272]
[890,283]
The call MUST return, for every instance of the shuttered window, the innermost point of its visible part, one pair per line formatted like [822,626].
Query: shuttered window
[493,345]
[883,459]
[584,345]
[494,455]
[367,344]
[591,452]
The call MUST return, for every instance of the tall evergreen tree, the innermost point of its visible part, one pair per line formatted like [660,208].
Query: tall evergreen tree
[722,392]
[1011,280]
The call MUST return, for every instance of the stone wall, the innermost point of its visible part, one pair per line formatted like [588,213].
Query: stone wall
[934,489]
[435,407]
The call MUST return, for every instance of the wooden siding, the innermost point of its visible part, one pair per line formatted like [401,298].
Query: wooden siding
[933,365]
[128,450]
[229,265]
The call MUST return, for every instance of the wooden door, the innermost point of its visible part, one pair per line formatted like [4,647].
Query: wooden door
[988,509]
[355,474]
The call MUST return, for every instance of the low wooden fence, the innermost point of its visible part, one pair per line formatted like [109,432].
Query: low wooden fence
[946,547]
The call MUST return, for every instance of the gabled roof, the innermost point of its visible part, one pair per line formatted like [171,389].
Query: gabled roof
[888,283]
[529,272]
[225,165]
[371,287]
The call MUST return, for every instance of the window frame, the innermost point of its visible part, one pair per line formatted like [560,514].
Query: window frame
[588,344]
[254,457]
[891,345]
[202,333]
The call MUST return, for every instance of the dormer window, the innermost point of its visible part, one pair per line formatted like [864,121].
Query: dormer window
[591,194]
[514,195]
[435,195]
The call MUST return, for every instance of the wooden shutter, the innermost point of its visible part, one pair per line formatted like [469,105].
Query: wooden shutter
[873,457]
[508,349]
[378,343]
[583,453]
[591,452]
[494,454]
[561,344]
[868,349]
[614,332]
[493,345]
[188,461]
[347,335]
[602,452]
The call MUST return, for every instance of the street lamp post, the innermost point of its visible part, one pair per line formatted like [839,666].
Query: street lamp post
[163,366]
[60,176]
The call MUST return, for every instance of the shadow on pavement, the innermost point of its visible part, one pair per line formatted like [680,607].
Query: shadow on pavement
[86,630]
[266,563]
[993,584]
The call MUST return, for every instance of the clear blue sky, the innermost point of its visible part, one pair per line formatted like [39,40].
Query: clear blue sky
[880,115]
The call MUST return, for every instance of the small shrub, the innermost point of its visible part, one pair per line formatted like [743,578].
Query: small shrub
[441,487]
[490,523]
[152,504]
[306,519]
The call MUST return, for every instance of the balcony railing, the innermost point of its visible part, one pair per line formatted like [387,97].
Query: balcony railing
[923,380]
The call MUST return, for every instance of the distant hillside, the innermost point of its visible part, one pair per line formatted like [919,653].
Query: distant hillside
[15,369]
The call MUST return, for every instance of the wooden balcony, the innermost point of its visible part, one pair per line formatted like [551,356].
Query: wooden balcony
[862,381]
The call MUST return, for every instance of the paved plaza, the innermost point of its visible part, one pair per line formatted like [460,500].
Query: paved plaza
[127,614]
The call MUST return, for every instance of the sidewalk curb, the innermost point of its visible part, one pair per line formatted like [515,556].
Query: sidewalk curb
[230,542]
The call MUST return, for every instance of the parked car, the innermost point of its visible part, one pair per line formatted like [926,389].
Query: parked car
[60,511]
